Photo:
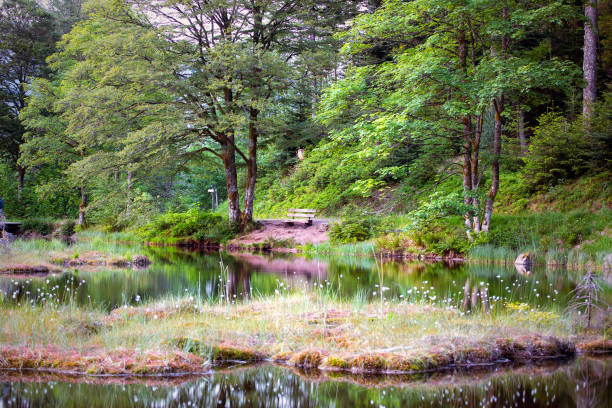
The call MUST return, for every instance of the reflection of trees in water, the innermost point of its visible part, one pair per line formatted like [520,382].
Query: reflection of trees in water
[584,383]
[591,377]
[475,296]
[238,283]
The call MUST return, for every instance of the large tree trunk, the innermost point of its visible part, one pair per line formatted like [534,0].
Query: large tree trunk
[231,182]
[228,155]
[494,165]
[467,137]
[82,207]
[249,192]
[590,59]
[20,181]
[498,104]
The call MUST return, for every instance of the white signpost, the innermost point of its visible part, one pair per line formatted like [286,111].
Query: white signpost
[214,197]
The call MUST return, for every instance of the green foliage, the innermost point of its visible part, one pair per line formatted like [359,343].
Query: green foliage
[438,206]
[194,224]
[68,228]
[355,229]
[27,37]
[558,152]
[601,132]
[42,226]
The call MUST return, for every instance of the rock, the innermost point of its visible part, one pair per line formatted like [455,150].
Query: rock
[141,261]
[524,263]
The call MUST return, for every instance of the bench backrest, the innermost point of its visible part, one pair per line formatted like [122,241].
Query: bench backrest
[301,213]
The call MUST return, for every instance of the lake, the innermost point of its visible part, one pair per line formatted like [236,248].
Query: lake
[583,382]
[233,277]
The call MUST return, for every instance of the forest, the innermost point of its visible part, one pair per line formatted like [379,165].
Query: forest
[118,112]
[325,189]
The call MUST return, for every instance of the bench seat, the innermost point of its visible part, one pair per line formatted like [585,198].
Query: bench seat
[301,215]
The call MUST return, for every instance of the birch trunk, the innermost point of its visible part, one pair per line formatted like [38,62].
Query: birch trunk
[249,191]
[82,207]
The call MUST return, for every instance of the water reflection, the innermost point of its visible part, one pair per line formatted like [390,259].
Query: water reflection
[581,383]
[213,276]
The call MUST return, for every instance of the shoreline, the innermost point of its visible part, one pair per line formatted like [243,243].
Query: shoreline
[440,378]
[181,365]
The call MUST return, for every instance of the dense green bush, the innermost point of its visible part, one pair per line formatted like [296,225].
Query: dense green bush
[559,151]
[356,229]
[193,224]
[68,228]
[42,226]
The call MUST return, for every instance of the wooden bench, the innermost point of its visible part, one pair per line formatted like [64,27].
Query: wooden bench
[302,215]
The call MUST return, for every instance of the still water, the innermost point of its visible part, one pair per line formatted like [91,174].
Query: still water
[579,383]
[214,276]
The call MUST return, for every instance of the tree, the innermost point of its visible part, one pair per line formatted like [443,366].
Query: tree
[27,38]
[589,66]
[67,13]
[167,80]
[46,142]
[452,67]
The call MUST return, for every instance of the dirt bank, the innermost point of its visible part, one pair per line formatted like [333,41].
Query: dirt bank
[19,270]
[279,233]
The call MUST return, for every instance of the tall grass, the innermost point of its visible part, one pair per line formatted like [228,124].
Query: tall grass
[326,248]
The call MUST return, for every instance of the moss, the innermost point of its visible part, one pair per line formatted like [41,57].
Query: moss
[189,345]
[93,370]
[307,359]
[224,352]
[140,370]
[335,362]
[220,353]
[440,359]
[596,347]
[368,362]
[282,357]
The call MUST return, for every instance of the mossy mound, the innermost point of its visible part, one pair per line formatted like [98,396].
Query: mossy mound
[307,359]
[596,347]
[220,353]
[100,362]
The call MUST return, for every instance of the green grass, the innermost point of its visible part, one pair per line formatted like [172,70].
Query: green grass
[89,243]
[574,238]
[286,322]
